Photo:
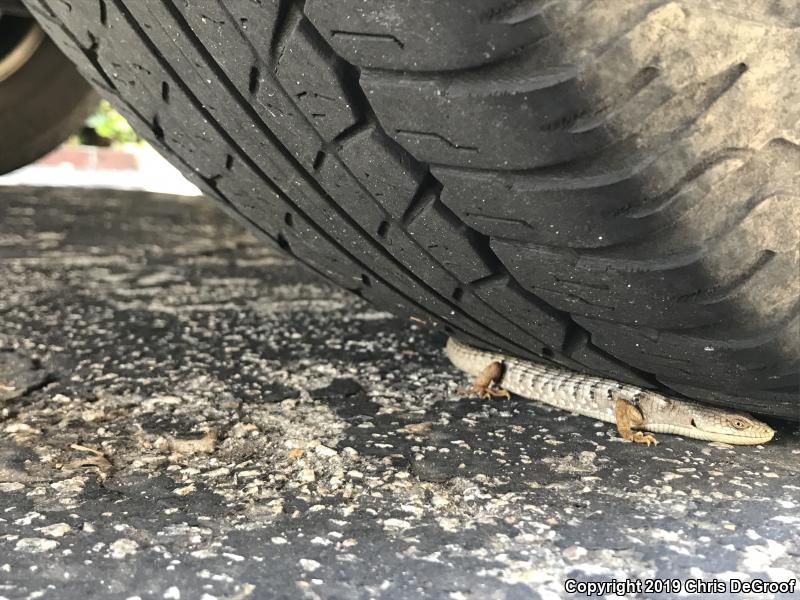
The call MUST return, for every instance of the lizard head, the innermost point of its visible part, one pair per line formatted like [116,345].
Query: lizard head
[731,427]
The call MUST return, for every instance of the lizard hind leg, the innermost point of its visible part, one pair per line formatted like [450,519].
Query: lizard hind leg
[629,416]
[486,385]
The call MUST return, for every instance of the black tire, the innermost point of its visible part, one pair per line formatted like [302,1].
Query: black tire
[609,186]
[43,97]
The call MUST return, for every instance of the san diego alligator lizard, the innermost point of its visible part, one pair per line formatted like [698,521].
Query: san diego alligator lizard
[628,406]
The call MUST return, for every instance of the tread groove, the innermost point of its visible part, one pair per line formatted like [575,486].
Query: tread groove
[426,195]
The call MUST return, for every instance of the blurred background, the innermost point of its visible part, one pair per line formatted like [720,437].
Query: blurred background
[106,152]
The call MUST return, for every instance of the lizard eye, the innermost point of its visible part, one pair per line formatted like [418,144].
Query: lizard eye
[739,423]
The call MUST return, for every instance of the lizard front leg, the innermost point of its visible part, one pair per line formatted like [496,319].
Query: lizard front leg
[629,416]
[486,384]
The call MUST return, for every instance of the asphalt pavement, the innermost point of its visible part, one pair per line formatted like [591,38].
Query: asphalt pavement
[186,413]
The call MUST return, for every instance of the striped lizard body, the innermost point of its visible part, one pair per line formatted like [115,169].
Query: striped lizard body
[628,406]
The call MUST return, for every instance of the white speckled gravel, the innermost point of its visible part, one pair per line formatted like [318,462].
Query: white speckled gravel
[204,418]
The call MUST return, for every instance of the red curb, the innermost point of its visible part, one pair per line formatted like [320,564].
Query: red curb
[91,158]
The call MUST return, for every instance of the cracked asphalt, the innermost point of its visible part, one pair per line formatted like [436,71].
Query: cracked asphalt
[187,413]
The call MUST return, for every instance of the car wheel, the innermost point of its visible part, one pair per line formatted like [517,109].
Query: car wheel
[610,186]
[43,97]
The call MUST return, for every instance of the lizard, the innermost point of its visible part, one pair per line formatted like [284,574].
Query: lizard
[634,410]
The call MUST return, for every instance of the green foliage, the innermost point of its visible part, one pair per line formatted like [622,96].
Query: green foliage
[108,123]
